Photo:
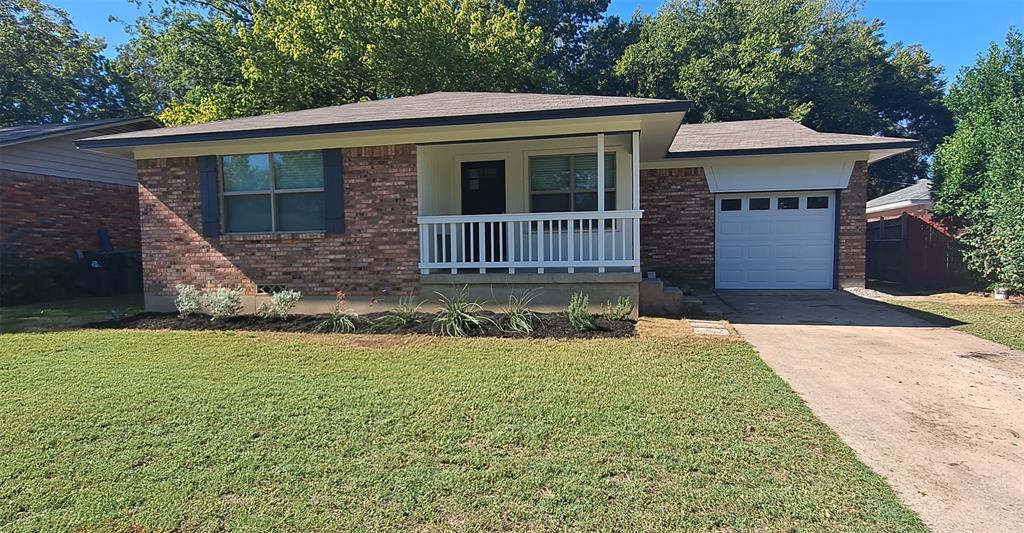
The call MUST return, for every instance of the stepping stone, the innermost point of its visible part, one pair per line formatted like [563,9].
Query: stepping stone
[706,324]
[710,331]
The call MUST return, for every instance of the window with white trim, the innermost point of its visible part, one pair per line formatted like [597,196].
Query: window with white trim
[569,183]
[275,192]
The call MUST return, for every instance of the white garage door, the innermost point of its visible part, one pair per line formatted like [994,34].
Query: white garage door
[779,240]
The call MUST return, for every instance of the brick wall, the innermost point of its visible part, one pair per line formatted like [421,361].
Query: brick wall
[853,228]
[677,233]
[377,255]
[49,217]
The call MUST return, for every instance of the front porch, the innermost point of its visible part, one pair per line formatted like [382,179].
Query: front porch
[566,205]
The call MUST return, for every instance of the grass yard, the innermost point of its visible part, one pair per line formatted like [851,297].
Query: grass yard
[105,430]
[65,314]
[995,320]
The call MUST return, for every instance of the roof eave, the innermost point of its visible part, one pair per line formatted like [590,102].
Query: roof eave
[900,146]
[586,112]
[896,205]
[126,122]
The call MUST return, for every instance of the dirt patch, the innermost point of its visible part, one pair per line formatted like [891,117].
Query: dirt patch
[549,325]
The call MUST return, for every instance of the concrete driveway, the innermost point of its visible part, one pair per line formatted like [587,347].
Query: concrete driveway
[937,412]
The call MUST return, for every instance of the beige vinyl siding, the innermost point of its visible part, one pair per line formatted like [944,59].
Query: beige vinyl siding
[57,156]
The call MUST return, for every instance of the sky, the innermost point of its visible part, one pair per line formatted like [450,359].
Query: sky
[952,31]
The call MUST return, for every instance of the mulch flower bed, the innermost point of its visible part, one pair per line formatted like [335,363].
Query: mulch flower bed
[550,325]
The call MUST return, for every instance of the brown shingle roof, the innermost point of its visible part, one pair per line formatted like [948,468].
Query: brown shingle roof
[19,134]
[442,108]
[771,136]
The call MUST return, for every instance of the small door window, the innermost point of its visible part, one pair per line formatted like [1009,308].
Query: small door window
[760,204]
[791,202]
[817,202]
[732,204]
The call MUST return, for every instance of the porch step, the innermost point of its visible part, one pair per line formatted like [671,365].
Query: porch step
[658,299]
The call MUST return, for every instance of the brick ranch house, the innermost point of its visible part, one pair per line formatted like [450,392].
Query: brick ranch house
[497,192]
[53,197]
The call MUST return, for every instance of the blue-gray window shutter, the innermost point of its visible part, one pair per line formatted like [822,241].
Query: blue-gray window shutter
[209,196]
[334,192]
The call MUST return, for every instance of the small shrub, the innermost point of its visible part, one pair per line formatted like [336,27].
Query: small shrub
[338,322]
[264,310]
[458,316]
[579,313]
[280,304]
[341,320]
[188,301]
[406,314]
[519,318]
[622,310]
[224,303]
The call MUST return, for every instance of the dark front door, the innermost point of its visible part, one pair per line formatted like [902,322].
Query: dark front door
[483,188]
[483,193]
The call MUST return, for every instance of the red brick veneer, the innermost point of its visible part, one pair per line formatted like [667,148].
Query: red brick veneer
[677,233]
[853,228]
[378,253]
[49,217]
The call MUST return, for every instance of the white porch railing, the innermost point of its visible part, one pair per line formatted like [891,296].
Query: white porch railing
[585,239]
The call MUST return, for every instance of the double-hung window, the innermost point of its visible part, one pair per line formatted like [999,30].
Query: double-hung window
[569,183]
[276,192]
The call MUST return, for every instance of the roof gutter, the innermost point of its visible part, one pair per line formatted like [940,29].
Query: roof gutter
[587,112]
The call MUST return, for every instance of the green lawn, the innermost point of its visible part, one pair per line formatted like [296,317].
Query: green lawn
[65,313]
[995,320]
[104,430]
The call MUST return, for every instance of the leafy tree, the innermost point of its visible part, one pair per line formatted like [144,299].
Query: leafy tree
[282,55]
[603,45]
[812,60]
[980,167]
[50,72]
[566,27]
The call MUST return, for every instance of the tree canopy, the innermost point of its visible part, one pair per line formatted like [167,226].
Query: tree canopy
[191,61]
[282,55]
[49,71]
[979,169]
[814,61]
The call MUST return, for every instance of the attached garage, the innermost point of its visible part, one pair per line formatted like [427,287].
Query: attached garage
[775,240]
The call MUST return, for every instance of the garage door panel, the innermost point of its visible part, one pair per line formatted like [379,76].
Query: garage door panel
[775,249]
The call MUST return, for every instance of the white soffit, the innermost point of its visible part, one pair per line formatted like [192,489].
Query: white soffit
[778,172]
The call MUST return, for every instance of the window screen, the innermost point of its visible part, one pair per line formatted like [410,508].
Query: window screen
[569,183]
[273,192]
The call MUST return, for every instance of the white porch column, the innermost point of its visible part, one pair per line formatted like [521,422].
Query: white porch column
[600,172]
[636,199]
[600,198]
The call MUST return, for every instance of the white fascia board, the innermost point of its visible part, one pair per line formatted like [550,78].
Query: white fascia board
[897,205]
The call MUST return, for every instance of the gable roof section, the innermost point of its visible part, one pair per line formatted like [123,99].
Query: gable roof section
[771,136]
[434,109]
[19,134]
[918,193]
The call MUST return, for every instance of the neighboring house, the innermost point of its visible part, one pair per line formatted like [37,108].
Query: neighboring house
[497,192]
[906,246]
[54,197]
[915,200]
